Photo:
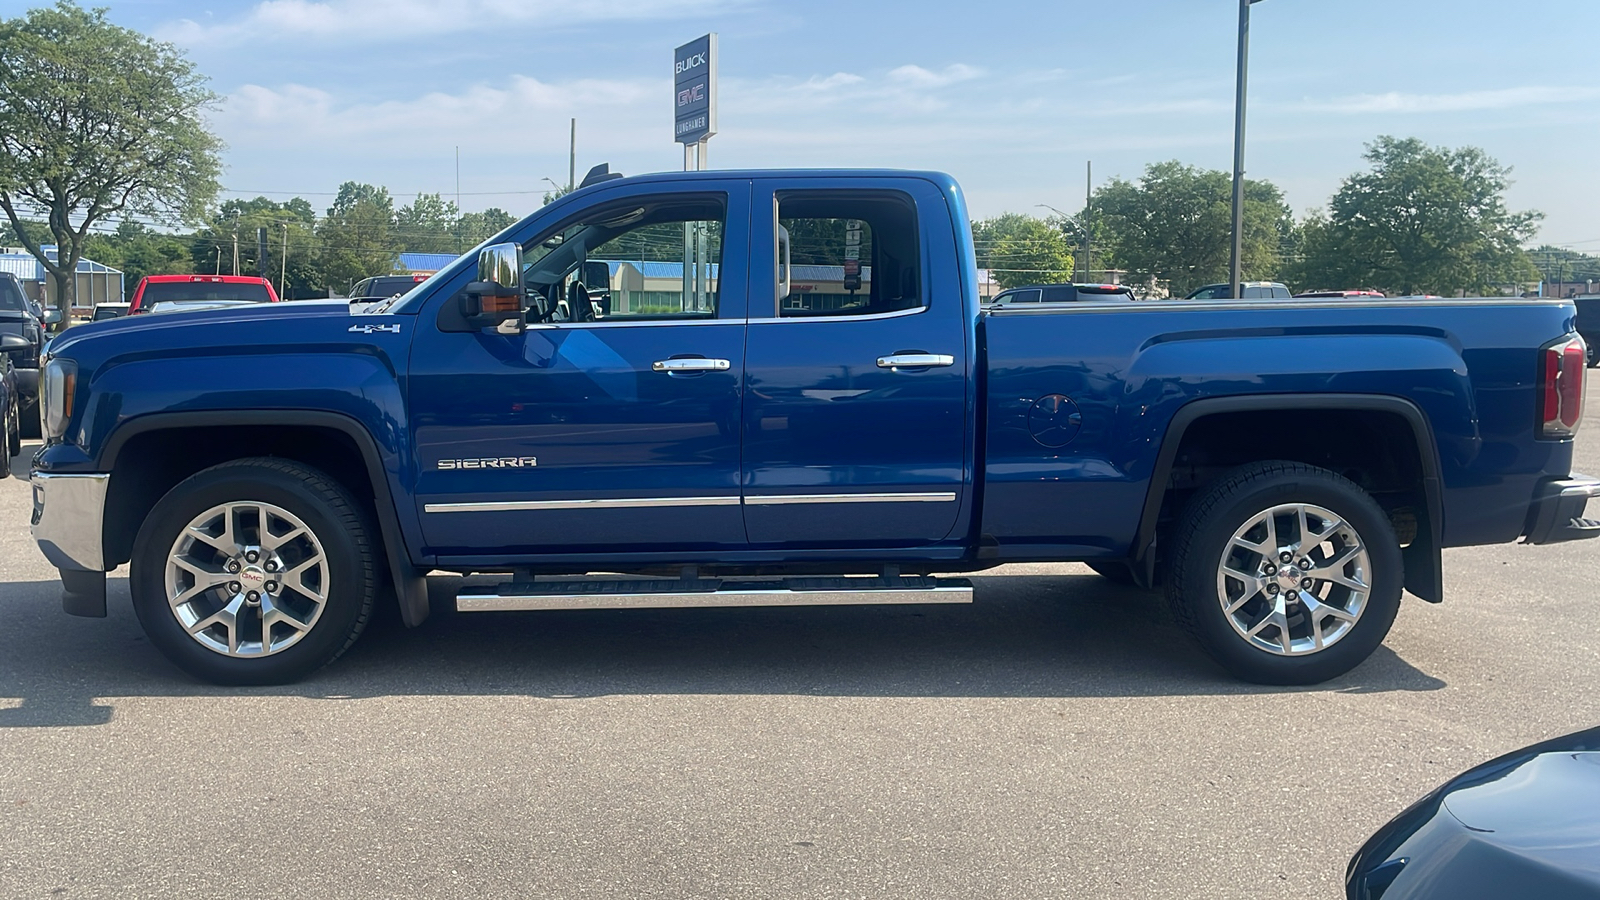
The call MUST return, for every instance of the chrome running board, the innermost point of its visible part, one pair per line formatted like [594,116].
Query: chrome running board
[641,593]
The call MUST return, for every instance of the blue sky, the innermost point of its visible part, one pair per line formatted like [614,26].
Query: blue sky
[1011,97]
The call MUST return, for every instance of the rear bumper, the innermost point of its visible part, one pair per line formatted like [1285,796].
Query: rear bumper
[1557,513]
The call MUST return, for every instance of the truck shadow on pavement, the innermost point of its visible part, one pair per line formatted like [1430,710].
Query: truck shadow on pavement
[1033,636]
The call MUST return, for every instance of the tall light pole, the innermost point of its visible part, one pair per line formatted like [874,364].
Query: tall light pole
[1238,148]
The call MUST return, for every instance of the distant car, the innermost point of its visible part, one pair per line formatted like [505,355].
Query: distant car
[1589,324]
[1524,825]
[382,287]
[1344,295]
[153,289]
[103,311]
[1250,290]
[1063,293]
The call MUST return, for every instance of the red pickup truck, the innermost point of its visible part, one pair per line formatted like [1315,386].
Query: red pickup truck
[200,290]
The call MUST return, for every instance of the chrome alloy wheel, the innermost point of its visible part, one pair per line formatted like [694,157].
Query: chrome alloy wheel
[247,579]
[1294,579]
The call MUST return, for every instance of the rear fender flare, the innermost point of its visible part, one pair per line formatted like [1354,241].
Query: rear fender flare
[1424,565]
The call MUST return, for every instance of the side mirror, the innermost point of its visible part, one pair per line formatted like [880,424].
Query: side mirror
[496,297]
[11,343]
[52,316]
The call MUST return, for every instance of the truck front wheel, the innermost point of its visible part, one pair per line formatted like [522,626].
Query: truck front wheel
[1285,573]
[255,571]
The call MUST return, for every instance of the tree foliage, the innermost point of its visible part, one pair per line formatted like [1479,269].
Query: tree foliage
[429,224]
[1421,220]
[97,122]
[477,227]
[1175,225]
[358,237]
[1019,249]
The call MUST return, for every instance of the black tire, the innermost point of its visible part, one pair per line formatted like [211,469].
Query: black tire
[14,447]
[1114,572]
[336,519]
[10,444]
[32,428]
[1204,533]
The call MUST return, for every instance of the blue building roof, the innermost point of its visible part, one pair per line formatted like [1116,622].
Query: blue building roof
[26,268]
[424,262]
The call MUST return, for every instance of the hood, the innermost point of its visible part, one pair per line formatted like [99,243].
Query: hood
[265,316]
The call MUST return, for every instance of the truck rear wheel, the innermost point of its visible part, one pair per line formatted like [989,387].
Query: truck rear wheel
[1285,573]
[256,571]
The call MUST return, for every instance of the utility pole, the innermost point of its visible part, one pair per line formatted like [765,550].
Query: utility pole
[283,274]
[261,252]
[1088,221]
[236,244]
[572,159]
[1234,274]
[458,198]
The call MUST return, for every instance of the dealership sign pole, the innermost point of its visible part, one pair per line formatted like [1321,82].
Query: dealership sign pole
[694,94]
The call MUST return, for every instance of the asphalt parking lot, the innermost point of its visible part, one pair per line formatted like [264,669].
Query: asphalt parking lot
[1056,738]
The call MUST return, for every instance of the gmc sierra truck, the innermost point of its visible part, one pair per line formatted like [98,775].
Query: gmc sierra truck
[788,392]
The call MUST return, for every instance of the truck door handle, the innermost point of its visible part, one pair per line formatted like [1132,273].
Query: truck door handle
[690,364]
[915,360]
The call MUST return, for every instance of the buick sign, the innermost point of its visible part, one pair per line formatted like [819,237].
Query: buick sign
[694,90]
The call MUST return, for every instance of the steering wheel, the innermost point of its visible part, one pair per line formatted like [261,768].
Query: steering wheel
[579,308]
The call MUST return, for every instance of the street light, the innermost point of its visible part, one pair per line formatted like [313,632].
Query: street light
[1238,148]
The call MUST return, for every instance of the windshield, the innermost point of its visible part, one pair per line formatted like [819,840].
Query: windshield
[11,299]
[163,291]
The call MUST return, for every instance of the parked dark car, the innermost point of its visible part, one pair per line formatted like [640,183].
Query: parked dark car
[1524,825]
[22,317]
[1589,325]
[1063,293]
[1248,290]
[382,287]
[10,403]
[104,311]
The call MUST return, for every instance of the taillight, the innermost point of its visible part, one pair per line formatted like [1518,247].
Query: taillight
[1561,388]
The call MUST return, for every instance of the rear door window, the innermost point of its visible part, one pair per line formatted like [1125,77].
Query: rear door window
[848,255]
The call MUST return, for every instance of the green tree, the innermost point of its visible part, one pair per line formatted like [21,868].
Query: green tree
[1421,220]
[1558,264]
[290,229]
[139,250]
[1175,225]
[429,224]
[97,121]
[1020,249]
[358,236]
[477,227]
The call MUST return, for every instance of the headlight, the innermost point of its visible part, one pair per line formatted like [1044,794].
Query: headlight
[59,383]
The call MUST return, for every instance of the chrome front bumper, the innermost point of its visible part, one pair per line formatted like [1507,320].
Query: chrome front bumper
[68,520]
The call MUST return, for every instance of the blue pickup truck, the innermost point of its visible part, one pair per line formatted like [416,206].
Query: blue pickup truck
[780,387]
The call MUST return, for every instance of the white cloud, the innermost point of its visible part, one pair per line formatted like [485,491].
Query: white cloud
[348,21]
[1468,101]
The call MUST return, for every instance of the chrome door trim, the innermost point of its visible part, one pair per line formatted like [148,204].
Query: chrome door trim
[896,314]
[916,361]
[624,323]
[690,364]
[619,503]
[788,499]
